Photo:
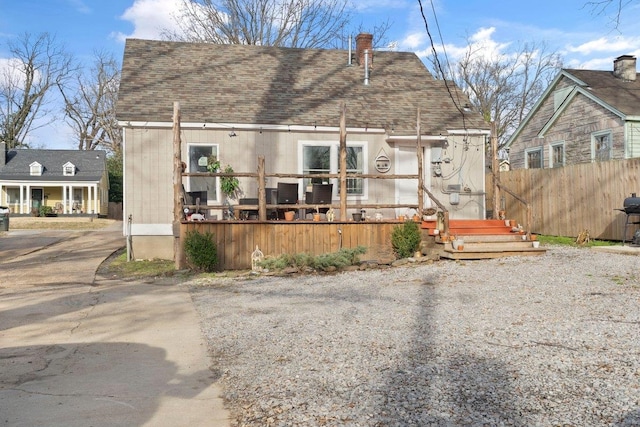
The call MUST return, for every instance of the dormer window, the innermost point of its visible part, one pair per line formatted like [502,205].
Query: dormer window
[68,169]
[35,169]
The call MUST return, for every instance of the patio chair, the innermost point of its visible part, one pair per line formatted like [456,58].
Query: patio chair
[287,195]
[320,194]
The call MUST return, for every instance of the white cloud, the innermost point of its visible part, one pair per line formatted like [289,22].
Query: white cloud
[149,18]
[376,5]
[80,6]
[604,44]
[414,41]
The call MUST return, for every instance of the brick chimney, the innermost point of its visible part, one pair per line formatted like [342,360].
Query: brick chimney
[364,41]
[624,67]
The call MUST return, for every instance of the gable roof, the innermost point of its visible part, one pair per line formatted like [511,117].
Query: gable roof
[246,84]
[622,95]
[90,165]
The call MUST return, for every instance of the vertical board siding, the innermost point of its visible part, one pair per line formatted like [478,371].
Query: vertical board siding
[236,240]
[570,199]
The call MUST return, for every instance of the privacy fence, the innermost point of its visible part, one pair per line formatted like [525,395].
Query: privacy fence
[570,199]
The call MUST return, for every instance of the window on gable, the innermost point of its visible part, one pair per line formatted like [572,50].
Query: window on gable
[601,144]
[559,96]
[557,155]
[533,158]
[68,169]
[322,158]
[35,169]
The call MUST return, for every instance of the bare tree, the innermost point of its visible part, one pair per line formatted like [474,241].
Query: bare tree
[90,101]
[504,87]
[37,63]
[288,23]
[612,7]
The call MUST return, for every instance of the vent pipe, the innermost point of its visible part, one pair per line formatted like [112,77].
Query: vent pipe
[366,67]
[349,62]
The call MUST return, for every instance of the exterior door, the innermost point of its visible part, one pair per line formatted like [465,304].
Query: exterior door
[407,163]
[36,198]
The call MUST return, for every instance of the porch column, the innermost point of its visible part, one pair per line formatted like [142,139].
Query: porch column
[1,193]
[96,205]
[28,194]
[65,199]
[21,210]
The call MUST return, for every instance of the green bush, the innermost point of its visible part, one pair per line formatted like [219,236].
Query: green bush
[44,210]
[405,239]
[201,251]
[340,259]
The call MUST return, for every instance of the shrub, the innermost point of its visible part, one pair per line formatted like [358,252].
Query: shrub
[201,251]
[340,259]
[45,210]
[405,239]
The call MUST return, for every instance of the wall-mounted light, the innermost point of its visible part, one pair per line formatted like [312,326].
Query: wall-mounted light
[260,129]
[232,133]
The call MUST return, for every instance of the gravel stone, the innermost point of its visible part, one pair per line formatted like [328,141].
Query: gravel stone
[552,340]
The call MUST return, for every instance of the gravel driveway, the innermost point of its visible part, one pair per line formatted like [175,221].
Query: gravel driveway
[550,340]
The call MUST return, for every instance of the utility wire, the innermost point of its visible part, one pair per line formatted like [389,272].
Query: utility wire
[437,62]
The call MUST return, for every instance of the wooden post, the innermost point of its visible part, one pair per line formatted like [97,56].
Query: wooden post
[177,188]
[495,169]
[262,197]
[420,168]
[343,161]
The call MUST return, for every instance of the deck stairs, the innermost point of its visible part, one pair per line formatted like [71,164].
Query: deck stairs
[483,239]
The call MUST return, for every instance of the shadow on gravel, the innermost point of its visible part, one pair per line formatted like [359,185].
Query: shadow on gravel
[440,384]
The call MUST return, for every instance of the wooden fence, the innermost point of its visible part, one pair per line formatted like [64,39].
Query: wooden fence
[568,200]
[236,240]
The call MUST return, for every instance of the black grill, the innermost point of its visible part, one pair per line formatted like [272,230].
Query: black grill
[631,207]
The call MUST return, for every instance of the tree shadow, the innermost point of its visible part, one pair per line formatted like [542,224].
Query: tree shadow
[73,384]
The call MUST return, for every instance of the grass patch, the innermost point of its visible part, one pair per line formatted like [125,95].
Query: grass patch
[117,265]
[54,223]
[571,241]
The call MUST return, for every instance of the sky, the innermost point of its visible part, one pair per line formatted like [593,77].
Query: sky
[584,39]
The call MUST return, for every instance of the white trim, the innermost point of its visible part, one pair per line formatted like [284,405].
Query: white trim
[596,134]
[333,167]
[251,127]
[552,145]
[540,149]
[151,229]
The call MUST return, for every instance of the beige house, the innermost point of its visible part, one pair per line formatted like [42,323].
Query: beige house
[67,181]
[240,102]
[584,116]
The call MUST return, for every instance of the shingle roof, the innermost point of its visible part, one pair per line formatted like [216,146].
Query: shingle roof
[279,86]
[621,94]
[90,165]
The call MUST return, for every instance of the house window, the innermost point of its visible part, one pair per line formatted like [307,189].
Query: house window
[322,158]
[13,195]
[557,155]
[533,158]
[198,160]
[601,144]
[35,169]
[68,169]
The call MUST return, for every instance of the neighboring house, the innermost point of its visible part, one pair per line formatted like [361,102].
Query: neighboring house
[68,181]
[584,116]
[240,102]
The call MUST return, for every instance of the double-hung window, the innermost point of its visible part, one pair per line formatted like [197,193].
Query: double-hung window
[601,144]
[323,158]
[199,157]
[533,158]
[556,152]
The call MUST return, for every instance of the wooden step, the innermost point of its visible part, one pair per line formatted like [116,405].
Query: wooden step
[483,239]
[472,227]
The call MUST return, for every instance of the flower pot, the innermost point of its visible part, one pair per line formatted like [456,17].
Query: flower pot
[401,218]
[316,217]
[536,244]
[357,217]
[534,237]
[289,215]
[458,244]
